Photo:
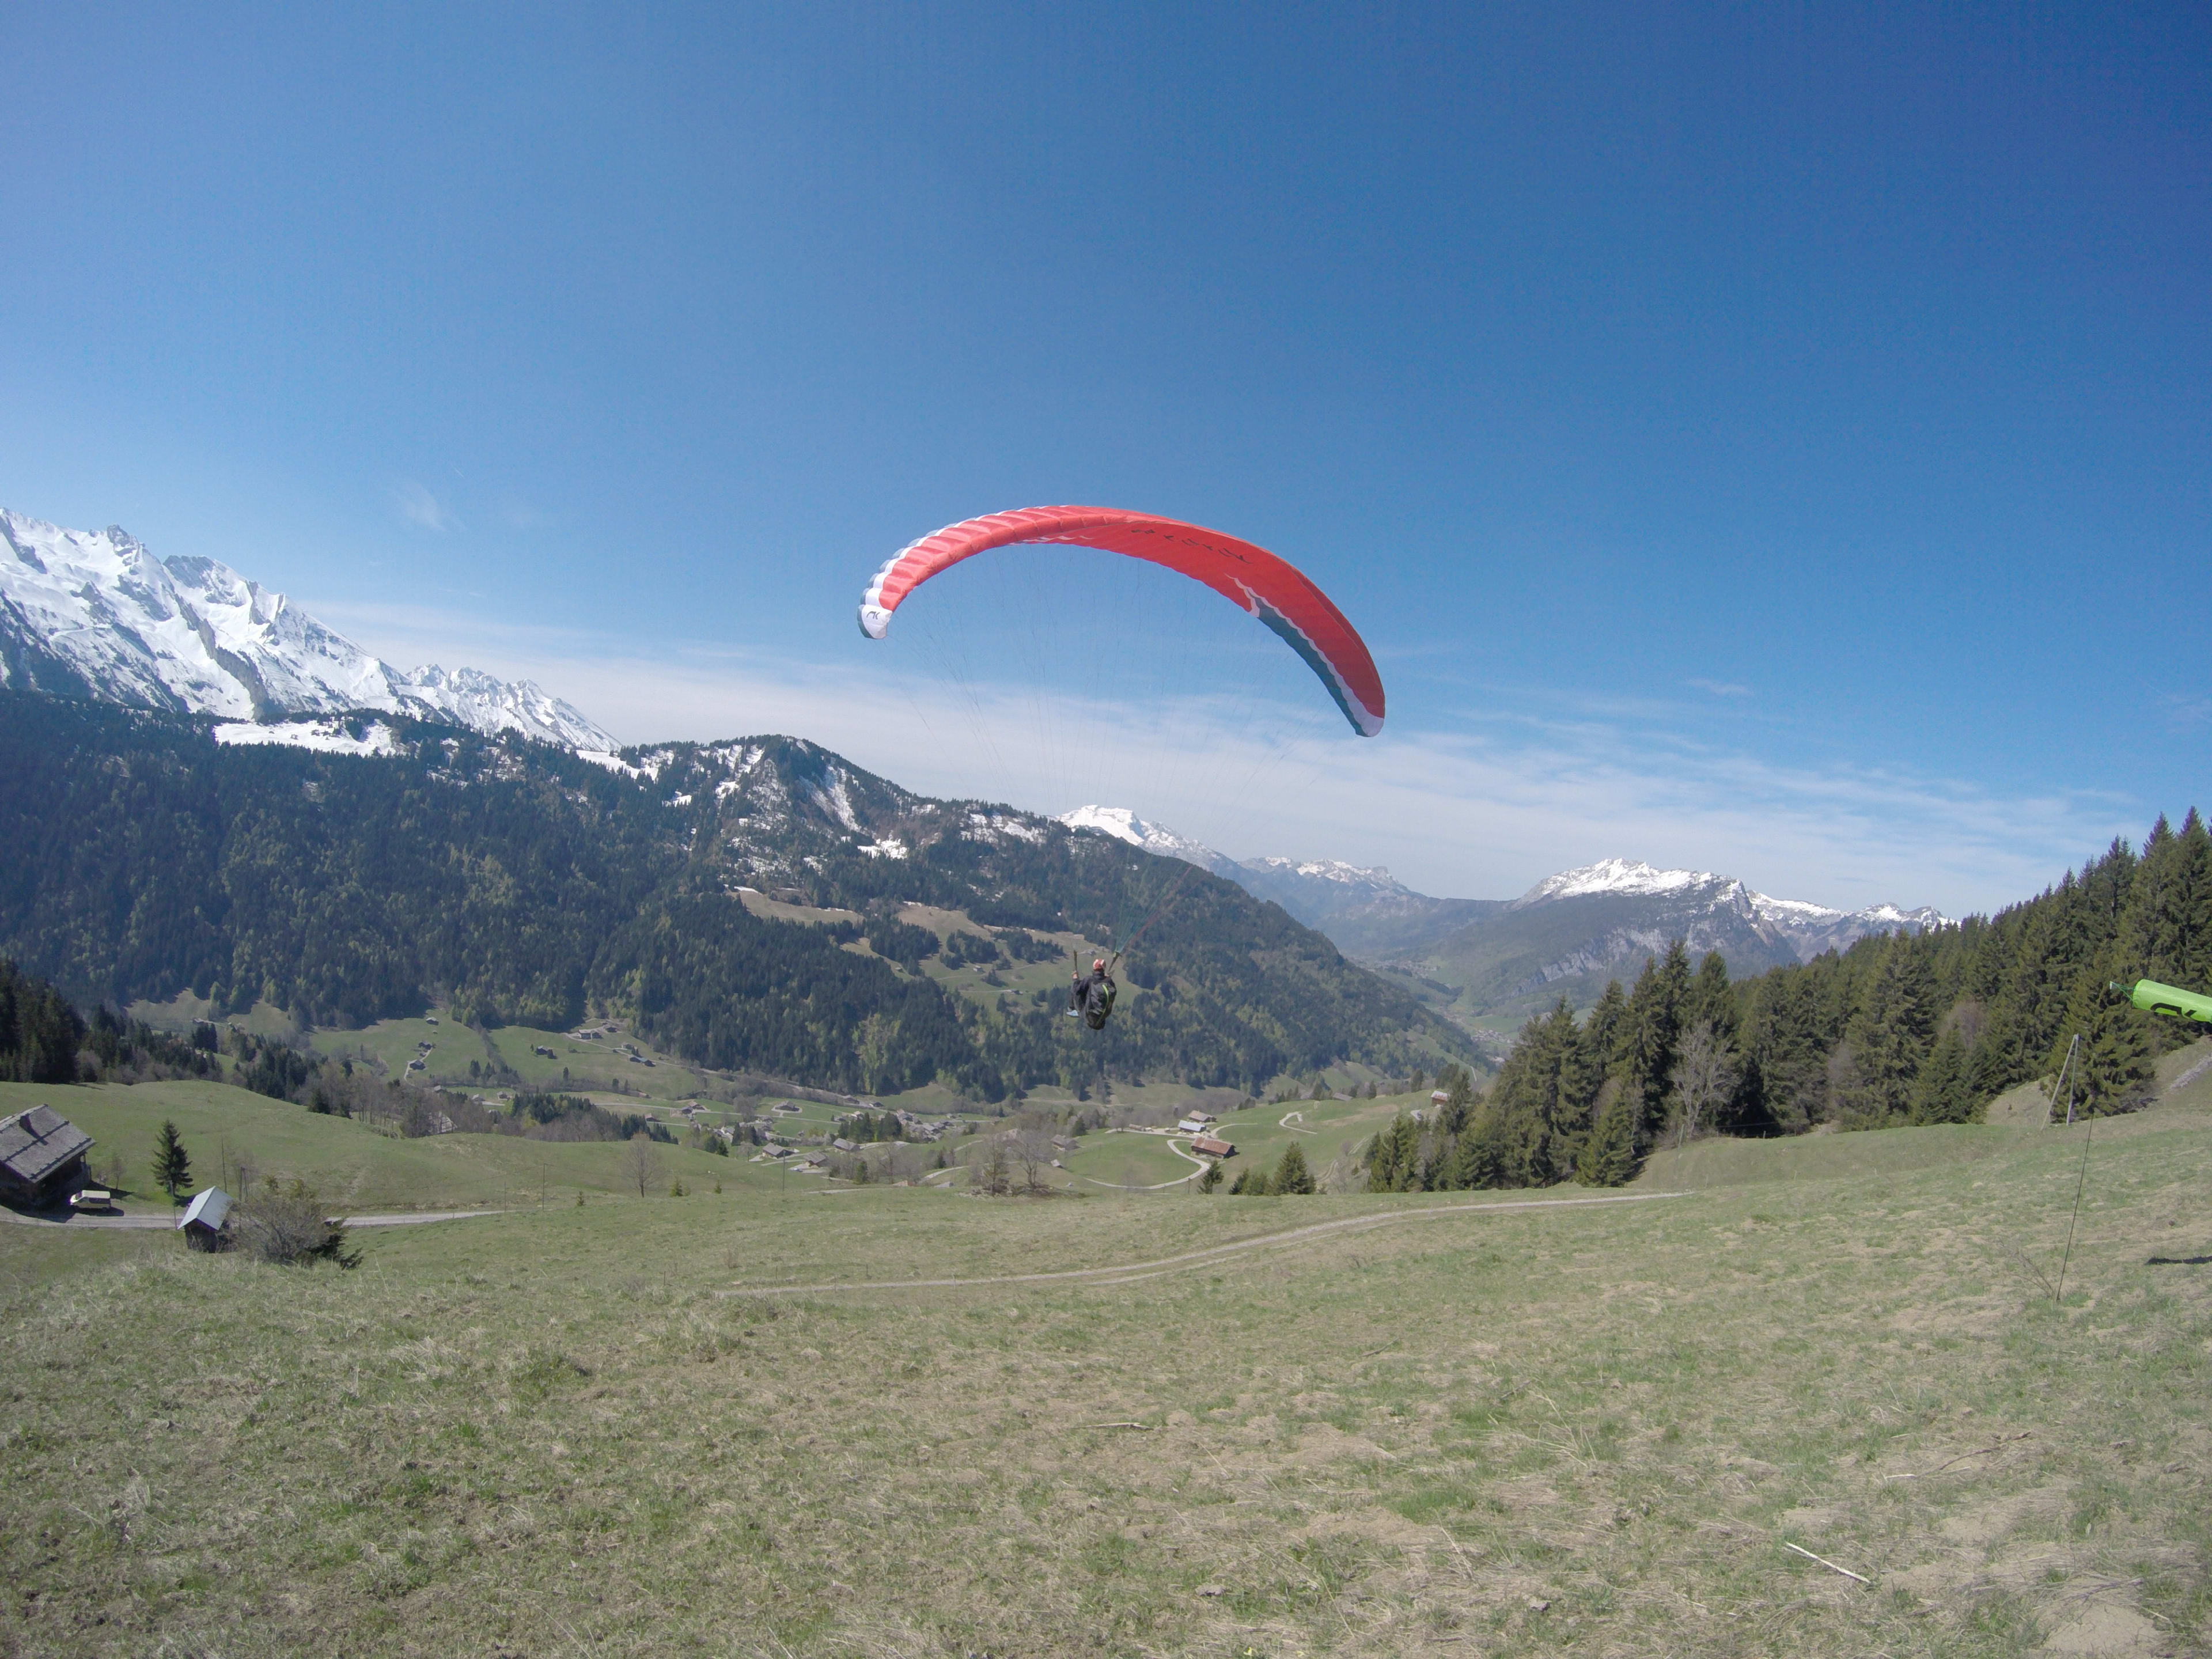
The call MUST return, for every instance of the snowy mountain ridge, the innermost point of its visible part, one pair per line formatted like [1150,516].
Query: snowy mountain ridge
[97,616]
[1123,824]
[1791,917]
[1571,926]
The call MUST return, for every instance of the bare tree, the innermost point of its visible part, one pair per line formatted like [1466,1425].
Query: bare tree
[1032,1150]
[994,1168]
[641,1162]
[1704,1076]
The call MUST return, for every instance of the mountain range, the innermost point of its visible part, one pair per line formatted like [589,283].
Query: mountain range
[95,615]
[1489,963]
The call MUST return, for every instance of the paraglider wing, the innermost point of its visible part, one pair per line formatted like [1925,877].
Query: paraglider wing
[1258,582]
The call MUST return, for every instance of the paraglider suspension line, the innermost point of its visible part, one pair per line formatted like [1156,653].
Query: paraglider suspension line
[2080,1182]
[1158,910]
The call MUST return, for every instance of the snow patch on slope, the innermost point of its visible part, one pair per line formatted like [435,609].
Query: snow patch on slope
[325,736]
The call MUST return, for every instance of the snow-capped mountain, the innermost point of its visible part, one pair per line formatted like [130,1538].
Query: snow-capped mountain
[1809,928]
[1613,875]
[1123,824]
[96,615]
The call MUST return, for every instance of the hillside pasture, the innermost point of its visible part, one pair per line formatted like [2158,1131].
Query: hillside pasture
[353,1166]
[1434,1424]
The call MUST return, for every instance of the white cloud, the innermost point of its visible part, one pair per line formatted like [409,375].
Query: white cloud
[1719,688]
[417,505]
[1484,810]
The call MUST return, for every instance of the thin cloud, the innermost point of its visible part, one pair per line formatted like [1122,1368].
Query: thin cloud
[1720,688]
[418,507]
[1483,811]
[2184,712]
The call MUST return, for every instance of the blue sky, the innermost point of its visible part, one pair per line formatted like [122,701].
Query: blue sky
[1771,438]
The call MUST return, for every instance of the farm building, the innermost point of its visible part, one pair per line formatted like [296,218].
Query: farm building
[41,1157]
[1212,1147]
[203,1219]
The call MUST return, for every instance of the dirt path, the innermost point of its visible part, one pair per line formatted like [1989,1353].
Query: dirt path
[1156,1186]
[1129,1272]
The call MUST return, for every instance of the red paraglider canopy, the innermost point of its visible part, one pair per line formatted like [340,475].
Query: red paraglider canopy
[1262,585]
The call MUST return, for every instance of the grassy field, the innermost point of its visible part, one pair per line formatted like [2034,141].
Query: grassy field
[1358,1425]
[354,1168]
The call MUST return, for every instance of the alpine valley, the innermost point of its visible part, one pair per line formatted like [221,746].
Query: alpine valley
[211,794]
[1489,963]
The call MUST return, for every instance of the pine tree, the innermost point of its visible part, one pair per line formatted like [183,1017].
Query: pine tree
[1711,1000]
[172,1167]
[1943,1091]
[1393,1165]
[1211,1181]
[1654,1025]
[1603,1026]
[1608,1157]
[1478,1158]
[1292,1176]
[1458,1103]
[1891,1039]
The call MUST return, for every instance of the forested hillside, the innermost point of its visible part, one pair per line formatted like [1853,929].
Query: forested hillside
[1900,1028]
[523,884]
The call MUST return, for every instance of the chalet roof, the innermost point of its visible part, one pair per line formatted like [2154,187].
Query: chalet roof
[208,1208]
[36,1143]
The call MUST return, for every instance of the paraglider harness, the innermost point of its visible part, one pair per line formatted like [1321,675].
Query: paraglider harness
[1092,994]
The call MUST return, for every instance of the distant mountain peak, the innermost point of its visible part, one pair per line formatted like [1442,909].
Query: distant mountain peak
[1616,876]
[1371,877]
[1124,824]
[96,615]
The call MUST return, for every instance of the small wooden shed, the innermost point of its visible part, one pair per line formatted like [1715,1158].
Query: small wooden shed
[1212,1147]
[204,1217]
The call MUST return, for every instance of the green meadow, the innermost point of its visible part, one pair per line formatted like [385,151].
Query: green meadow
[1141,1423]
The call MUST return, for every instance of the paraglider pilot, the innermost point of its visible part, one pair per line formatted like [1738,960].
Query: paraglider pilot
[1091,995]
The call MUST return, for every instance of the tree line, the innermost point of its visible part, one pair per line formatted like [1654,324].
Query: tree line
[1900,1028]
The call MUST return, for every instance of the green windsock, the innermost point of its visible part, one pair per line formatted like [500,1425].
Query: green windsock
[2148,993]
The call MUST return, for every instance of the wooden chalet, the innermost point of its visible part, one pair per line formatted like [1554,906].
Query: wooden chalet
[41,1158]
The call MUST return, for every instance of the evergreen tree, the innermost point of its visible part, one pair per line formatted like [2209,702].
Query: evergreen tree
[1943,1091]
[1394,1161]
[172,1167]
[1603,1028]
[1211,1179]
[1711,1000]
[1608,1157]
[1292,1176]
[1653,1026]
[1891,1037]
[1459,1101]
[40,1031]
[1540,1106]
[1478,1158]
[1251,1182]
